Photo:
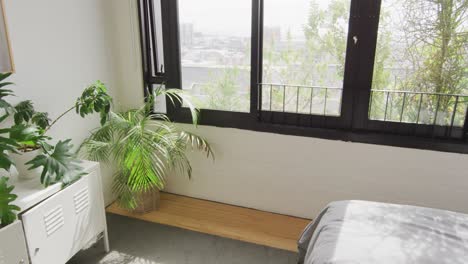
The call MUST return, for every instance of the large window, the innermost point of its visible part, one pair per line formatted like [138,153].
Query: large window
[342,69]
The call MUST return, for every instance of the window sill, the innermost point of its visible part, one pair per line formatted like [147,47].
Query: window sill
[248,121]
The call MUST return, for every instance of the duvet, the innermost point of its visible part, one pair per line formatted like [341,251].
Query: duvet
[364,232]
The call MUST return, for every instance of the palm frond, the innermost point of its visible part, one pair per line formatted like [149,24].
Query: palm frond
[182,97]
[197,142]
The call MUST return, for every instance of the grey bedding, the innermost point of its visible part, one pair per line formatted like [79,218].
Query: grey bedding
[378,233]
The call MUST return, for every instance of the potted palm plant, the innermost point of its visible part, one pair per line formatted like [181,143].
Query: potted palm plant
[144,147]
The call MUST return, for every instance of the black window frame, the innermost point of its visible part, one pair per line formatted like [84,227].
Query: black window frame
[353,124]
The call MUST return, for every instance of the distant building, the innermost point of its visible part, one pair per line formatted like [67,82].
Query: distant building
[186,34]
[271,34]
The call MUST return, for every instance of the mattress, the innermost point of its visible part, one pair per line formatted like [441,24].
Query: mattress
[372,233]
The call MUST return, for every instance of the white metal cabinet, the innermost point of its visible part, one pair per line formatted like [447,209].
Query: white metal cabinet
[63,224]
[12,245]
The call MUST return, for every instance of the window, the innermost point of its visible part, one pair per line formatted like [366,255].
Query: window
[420,70]
[304,49]
[341,69]
[215,52]
[152,44]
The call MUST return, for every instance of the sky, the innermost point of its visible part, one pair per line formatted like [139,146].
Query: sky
[229,17]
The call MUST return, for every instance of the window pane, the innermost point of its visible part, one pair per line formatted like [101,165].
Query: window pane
[304,48]
[420,71]
[159,67]
[215,49]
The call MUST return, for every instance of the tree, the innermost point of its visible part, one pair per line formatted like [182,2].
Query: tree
[428,55]
[437,35]
[319,61]
[223,93]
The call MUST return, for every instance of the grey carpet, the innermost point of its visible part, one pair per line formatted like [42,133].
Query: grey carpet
[138,242]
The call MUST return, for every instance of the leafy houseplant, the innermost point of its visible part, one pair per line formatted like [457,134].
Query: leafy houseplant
[6,144]
[28,140]
[7,210]
[145,147]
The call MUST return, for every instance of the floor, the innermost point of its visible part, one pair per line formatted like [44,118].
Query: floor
[238,223]
[138,242]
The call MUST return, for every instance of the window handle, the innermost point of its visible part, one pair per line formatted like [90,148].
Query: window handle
[355,39]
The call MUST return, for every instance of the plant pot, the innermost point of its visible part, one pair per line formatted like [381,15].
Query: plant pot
[20,164]
[147,201]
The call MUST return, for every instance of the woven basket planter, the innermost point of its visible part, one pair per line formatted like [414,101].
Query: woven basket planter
[148,201]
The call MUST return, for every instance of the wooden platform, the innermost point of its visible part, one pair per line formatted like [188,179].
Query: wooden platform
[249,225]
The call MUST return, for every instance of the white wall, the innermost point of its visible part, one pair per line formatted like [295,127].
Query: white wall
[60,47]
[299,175]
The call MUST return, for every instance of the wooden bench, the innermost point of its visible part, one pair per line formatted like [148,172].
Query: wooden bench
[249,225]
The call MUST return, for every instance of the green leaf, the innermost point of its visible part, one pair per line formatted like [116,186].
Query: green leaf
[41,119]
[4,93]
[3,117]
[5,84]
[183,97]
[4,75]
[5,161]
[94,99]
[58,164]
[24,111]
[6,144]
[7,210]
[30,136]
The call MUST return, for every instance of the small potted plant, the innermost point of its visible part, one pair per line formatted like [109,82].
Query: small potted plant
[145,147]
[29,149]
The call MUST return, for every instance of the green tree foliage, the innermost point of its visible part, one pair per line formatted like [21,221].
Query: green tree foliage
[320,62]
[326,34]
[437,33]
[431,50]
[223,92]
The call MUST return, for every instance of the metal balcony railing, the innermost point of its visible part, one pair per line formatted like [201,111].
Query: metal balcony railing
[441,109]
[301,99]
[418,107]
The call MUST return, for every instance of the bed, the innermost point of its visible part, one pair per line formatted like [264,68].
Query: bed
[379,233]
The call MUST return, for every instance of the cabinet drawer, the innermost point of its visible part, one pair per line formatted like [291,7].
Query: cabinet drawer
[57,228]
